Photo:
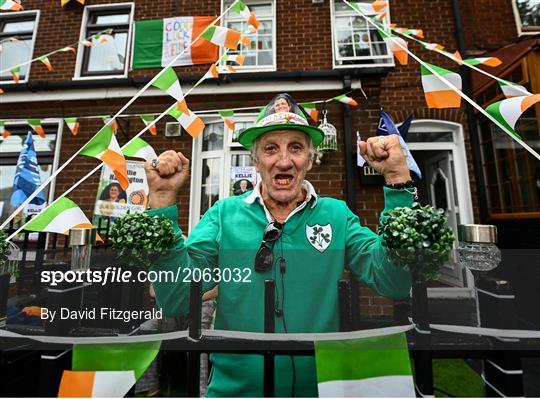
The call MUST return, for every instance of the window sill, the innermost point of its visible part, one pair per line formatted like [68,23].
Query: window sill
[12,82]
[359,65]
[248,70]
[100,77]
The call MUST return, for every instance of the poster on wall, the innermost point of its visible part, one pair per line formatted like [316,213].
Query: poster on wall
[243,179]
[112,201]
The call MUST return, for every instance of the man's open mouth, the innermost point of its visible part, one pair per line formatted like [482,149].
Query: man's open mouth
[283,180]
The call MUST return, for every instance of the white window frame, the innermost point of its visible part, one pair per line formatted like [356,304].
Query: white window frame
[32,46]
[358,60]
[253,68]
[519,25]
[82,35]
[229,148]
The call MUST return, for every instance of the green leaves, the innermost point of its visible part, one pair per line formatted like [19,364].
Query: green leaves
[4,248]
[139,238]
[417,239]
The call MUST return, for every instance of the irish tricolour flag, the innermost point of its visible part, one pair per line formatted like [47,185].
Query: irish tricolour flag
[438,94]
[96,384]
[104,147]
[10,5]
[512,89]
[508,111]
[159,41]
[60,217]
[189,121]
[365,367]
[138,148]
[168,82]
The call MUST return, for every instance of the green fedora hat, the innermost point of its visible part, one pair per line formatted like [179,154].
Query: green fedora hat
[282,113]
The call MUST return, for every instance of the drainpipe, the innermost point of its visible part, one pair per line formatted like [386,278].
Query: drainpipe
[471,117]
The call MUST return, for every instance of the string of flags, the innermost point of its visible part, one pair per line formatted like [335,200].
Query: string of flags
[100,37]
[11,5]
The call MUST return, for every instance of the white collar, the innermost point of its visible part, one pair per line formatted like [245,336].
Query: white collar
[306,185]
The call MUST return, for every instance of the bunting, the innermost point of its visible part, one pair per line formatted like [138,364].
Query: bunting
[46,62]
[64,2]
[15,73]
[411,32]
[437,93]
[73,125]
[222,36]
[401,55]
[10,5]
[189,121]
[1,91]
[138,148]
[371,8]
[511,90]
[432,46]
[5,133]
[508,111]
[104,147]
[68,48]
[240,8]
[311,110]
[212,72]
[96,384]
[148,120]
[228,121]
[168,82]
[489,61]
[346,100]
[113,124]
[36,125]
[60,217]
[239,59]
[86,43]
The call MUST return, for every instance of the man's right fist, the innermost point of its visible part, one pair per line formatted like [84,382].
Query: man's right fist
[167,178]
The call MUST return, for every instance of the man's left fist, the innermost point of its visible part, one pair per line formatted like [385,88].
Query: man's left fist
[385,155]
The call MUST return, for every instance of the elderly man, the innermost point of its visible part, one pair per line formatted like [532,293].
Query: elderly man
[281,230]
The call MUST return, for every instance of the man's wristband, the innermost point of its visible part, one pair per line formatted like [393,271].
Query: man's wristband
[401,186]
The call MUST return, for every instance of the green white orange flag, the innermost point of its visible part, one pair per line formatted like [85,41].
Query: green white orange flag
[437,93]
[511,90]
[68,48]
[10,5]
[113,124]
[5,133]
[104,147]
[73,125]
[411,32]
[168,82]
[365,367]
[228,120]
[96,384]
[212,72]
[15,74]
[222,36]
[432,46]
[138,148]
[239,59]
[401,55]
[128,361]
[36,125]
[489,61]
[311,109]
[148,120]
[46,62]
[371,8]
[508,111]
[60,217]
[86,43]
[189,121]
[240,8]
[346,100]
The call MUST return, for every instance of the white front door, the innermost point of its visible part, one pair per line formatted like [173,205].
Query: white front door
[442,194]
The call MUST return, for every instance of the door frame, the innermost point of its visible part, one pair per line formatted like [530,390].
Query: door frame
[462,184]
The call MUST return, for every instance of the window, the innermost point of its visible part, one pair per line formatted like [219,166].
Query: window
[10,148]
[262,55]
[527,16]
[215,157]
[108,54]
[17,36]
[355,41]
[512,175]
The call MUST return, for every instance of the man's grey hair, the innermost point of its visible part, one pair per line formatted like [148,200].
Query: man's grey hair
[255,147]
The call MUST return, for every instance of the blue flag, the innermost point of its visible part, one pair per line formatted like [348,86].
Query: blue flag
[27,178]
[404,128]
[387,127]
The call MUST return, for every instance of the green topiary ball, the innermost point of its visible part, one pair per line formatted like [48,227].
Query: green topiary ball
[418,239]
[140,239]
